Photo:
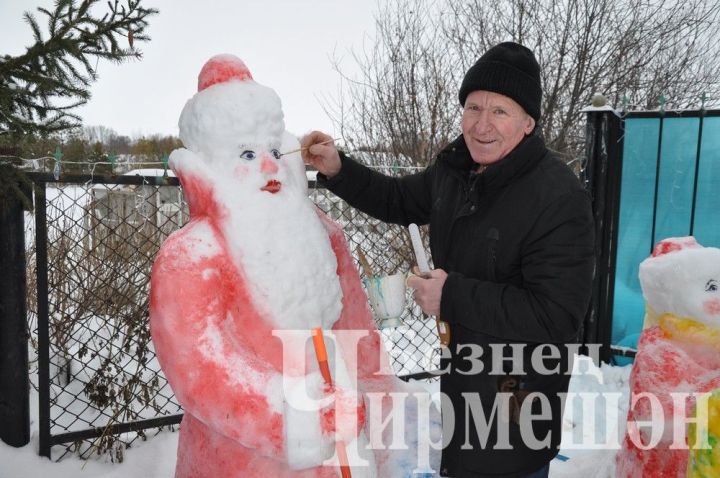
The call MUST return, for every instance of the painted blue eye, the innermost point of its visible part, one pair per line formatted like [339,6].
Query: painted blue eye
[276,153]
[249,155]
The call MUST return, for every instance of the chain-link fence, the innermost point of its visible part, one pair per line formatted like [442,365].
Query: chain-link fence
[92,254]
[414,346]
[91,244]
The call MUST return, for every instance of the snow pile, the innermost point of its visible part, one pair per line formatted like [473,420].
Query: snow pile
[594,420]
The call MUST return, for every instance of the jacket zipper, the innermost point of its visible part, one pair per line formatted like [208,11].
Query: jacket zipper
[466,189]
[493,236]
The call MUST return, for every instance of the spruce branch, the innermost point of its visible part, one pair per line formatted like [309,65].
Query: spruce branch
[39,88]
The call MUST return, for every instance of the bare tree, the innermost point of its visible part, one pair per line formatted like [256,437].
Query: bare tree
[640,55]
[402,103]
[99,134]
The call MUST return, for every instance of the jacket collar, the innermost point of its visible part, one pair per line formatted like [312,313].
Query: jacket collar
[521,159]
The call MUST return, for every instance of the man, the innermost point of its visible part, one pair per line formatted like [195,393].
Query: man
[511,236]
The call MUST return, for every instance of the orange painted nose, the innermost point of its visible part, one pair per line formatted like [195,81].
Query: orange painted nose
[268,166]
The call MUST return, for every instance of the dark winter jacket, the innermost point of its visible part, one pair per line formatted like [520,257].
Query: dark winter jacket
[517,243]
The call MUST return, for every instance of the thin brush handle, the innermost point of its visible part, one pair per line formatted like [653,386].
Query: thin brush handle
[303,149]
[364,262]
[321,354]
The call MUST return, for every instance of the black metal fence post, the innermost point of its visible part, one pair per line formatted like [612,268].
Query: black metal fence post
[43,320]
[14,379]
[601,176]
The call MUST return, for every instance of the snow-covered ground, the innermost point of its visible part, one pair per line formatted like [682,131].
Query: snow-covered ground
[594,421]
[156,456]
[152,458]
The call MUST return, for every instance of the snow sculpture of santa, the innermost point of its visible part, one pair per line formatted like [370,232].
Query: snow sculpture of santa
[258,257]
[678,353]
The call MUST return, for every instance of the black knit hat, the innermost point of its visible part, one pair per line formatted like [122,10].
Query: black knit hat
[509,69]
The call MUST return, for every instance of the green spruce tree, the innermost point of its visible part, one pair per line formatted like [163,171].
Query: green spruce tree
[40,88]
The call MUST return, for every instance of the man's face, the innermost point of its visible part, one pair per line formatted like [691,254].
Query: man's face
[493,125]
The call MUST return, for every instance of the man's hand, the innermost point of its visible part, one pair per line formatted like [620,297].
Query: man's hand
[428,290]
[323,157]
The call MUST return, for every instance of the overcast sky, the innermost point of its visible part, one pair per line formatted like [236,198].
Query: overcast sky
[286,44]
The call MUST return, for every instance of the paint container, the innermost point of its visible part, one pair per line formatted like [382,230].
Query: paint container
[387,298]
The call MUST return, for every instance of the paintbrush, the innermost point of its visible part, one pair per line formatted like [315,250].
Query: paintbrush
[303,149]
[364,262]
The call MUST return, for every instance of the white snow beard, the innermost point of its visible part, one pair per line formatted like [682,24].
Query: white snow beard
[284,252]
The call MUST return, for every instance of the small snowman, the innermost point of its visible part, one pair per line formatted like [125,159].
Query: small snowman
[678,352]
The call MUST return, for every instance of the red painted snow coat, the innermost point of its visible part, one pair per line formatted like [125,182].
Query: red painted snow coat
[232,426]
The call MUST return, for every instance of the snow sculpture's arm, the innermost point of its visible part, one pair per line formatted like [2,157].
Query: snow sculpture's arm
[207,356]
